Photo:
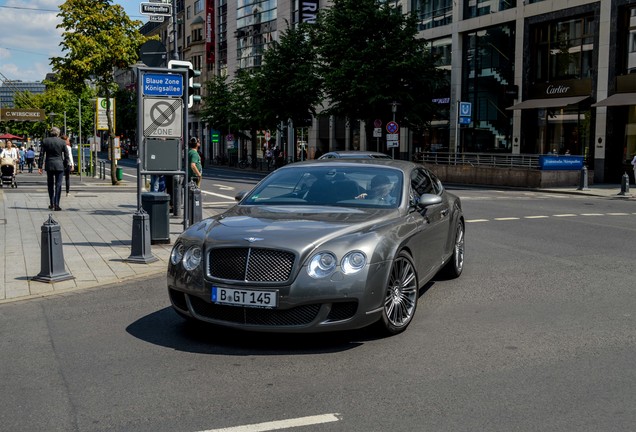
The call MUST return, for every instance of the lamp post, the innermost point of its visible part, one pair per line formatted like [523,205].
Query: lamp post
[394,106]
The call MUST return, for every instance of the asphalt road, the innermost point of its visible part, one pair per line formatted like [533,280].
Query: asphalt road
[539,334]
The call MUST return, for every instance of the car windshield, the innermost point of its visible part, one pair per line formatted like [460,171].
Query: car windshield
[345,186]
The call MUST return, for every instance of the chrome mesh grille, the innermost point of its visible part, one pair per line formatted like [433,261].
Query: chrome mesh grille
[251,264]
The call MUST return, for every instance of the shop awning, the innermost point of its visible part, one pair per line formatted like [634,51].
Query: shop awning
[547,103]
[618,99]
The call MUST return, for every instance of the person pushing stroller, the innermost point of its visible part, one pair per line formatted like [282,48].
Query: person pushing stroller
[9,165]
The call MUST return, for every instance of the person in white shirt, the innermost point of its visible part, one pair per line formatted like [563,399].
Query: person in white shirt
[634,165]
[10,152]
[69,166]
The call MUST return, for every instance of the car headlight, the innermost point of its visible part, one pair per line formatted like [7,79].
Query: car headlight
[177,253]
[353,262]
[322,265]
[192,258]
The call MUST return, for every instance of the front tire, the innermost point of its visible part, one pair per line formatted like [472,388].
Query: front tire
[400,297]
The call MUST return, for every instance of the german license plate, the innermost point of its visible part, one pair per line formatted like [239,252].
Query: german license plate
[249,298]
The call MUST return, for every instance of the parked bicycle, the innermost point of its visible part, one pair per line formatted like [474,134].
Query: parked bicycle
[244,163]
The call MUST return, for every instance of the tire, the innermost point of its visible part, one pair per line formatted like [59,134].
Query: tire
[400,296]
[455,266]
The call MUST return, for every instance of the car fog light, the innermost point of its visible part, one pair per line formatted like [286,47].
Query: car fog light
[192,258]
[353,262]
[321,265]
[177,253]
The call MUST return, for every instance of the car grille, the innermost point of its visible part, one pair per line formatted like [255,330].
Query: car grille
[342,311]
[300,315]
[250,264]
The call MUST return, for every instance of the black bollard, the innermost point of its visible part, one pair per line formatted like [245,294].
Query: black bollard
[52,257]
[176,195]
[624,185]
[583,185]
[195,206]
[140,245]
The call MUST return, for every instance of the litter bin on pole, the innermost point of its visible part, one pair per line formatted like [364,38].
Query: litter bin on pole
[156,204]
[119,173]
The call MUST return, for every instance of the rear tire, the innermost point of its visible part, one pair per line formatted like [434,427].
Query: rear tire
[400,296]
[455,266]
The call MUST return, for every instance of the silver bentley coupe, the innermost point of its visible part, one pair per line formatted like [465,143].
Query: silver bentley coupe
[318,246]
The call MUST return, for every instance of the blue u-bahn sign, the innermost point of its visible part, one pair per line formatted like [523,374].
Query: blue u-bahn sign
[560,162]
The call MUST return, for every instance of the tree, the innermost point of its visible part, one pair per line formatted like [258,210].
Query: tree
[289,78]
[97,38]
[369,56]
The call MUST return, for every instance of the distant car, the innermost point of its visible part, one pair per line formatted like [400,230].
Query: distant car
[351,154]
[320,246]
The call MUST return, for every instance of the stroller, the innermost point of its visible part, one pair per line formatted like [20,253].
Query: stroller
[7,167]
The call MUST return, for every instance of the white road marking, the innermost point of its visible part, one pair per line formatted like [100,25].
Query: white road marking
[618,214]
[591,214]
[506,218]
[218,195]
[477,220]
[564,215]
[223,187]
[535,217]
[282,424]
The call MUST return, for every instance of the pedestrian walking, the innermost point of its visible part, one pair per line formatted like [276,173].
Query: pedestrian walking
[68,163]
[634,166]
[22,156]
[195,170]
[53,153]
[11,152]
[30,158]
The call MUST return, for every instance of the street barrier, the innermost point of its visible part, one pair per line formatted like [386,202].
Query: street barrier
[52,255]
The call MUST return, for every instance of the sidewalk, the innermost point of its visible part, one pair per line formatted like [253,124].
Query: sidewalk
[96,228]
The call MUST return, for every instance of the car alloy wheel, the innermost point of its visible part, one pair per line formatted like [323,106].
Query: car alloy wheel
[455,266]
[400,300]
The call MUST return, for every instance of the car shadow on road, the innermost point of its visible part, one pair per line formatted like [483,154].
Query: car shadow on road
[165,328]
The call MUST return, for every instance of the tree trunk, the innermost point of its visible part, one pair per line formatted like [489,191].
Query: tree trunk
[111,142]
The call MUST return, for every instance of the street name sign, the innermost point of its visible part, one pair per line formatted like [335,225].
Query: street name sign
[162,117]
[19,114]
[162,85]
[156,18]
[163,9]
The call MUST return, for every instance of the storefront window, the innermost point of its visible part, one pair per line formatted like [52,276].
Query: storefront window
[631,42]
[563,50]
[254,30]
[487,72]
[563,131]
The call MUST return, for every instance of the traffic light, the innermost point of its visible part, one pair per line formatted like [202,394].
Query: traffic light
[192,72]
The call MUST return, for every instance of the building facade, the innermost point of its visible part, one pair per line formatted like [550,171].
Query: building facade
[10,91]
[541,76]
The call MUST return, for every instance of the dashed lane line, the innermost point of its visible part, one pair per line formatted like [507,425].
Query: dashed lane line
[499,219]
[282,424]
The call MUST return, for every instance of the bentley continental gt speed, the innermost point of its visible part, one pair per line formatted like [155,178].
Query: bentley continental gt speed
[320,246]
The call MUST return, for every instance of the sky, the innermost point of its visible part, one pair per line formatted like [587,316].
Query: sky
[29,37]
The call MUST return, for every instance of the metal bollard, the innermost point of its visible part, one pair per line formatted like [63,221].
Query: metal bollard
[102,170]
[624,185]
[583,184]
[140,245]
[52,256]
[195,206]
[177,190]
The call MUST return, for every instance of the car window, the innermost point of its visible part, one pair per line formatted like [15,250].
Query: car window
[421,183]
[346,186]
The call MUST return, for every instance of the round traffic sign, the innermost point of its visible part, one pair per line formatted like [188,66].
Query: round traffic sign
[377,123]
[229,137]
[392,127]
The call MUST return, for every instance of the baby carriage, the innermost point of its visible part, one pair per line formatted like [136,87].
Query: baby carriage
[7,167]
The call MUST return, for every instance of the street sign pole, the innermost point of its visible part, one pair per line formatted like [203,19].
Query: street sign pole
[457,131]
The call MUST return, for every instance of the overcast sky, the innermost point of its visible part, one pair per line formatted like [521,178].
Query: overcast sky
[29,37]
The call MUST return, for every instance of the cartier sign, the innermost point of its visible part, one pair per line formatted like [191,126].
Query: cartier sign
[557,89]
[569,88]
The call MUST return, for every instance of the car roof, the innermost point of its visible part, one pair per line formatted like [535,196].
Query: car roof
[393,163]
[352,154]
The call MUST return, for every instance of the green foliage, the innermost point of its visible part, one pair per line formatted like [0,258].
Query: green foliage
[218,106]
[97,38]
[370,56]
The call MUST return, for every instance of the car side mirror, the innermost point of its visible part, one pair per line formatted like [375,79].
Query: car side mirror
[427,200]
[239,196]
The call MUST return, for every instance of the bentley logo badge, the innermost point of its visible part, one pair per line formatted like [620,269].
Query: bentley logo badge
[252,239]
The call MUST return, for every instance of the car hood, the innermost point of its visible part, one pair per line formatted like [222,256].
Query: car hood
[299,228]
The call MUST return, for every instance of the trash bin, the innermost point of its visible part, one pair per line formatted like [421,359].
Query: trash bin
[119,173]
[156,204]
[195,207]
